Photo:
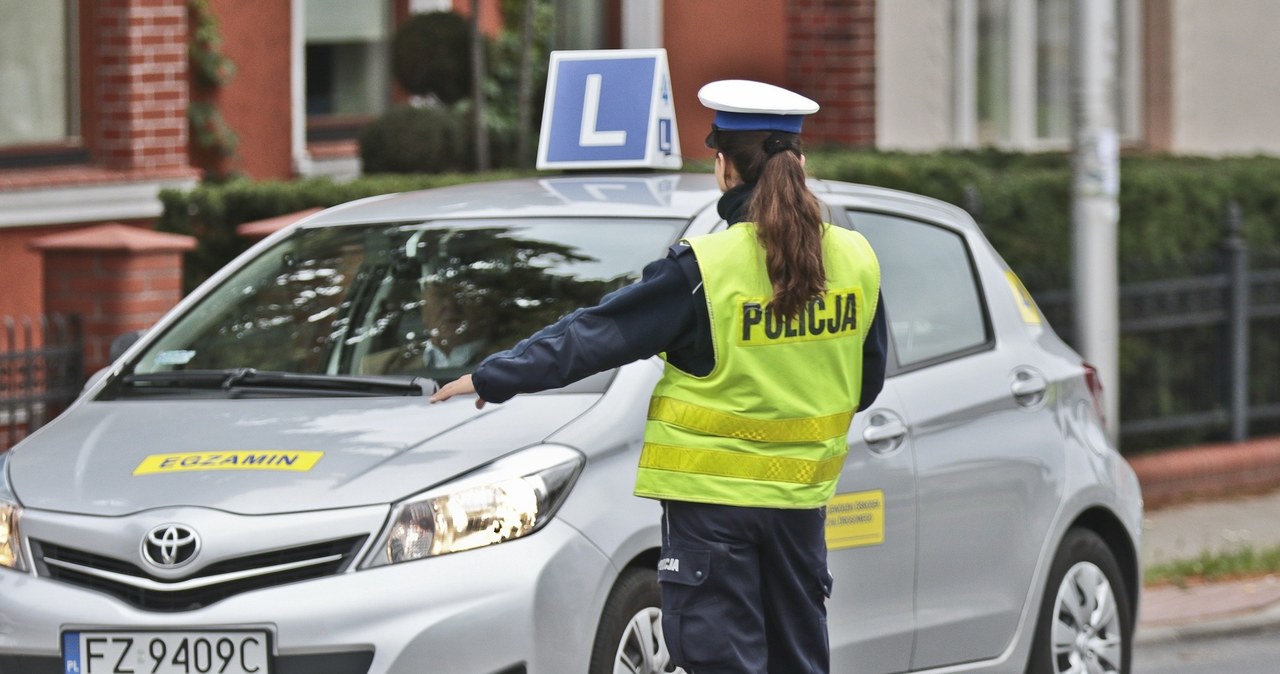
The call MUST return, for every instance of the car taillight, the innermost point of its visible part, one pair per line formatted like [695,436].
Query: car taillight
[1094,382]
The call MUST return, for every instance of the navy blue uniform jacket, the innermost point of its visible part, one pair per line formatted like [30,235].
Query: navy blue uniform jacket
[666,311]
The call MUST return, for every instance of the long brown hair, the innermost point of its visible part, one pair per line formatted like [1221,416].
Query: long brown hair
[787,215]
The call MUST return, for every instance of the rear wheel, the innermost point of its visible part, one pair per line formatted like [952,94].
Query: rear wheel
[1086,623]
[629,639]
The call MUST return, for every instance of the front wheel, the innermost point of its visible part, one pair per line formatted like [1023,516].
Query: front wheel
[1085,624]
[629,639]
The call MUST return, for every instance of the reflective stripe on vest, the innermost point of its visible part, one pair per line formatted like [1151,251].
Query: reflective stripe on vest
[713,422]
[739,465]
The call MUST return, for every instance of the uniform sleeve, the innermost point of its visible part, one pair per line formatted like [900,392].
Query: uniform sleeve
[875,351]
[639,321]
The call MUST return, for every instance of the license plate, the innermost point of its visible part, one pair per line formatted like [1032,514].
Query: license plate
[244,652]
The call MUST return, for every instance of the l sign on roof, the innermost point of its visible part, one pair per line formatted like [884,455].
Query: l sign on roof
[609,109]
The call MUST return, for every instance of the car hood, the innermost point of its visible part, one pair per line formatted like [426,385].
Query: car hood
[95,458]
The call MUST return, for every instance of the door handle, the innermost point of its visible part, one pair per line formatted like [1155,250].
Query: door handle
[1028,386]
[884,432]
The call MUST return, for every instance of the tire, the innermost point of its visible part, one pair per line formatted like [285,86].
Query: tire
[1085,625]
[629,639]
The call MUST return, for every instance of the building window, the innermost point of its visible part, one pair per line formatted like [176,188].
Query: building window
[37,49]
[1016,92]
[1053,69]
[348,71]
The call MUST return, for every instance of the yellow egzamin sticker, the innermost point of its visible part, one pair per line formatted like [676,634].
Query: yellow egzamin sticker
[855,520]
[233,460]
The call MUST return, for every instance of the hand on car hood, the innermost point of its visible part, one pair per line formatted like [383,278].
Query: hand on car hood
[115,458]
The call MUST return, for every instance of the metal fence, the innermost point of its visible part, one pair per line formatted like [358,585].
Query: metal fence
[1199,351]
[41,372]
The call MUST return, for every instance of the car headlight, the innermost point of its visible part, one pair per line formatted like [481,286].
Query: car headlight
[10,542]
[504,500]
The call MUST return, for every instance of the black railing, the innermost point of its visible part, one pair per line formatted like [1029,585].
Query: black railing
[41,372]
[1200,349]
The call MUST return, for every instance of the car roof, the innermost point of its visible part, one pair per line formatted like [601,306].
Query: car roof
[636,195]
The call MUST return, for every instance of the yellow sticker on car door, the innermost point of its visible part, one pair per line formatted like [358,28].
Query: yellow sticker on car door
[855,519]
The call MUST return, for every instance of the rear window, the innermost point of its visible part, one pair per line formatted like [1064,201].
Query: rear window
[931,293]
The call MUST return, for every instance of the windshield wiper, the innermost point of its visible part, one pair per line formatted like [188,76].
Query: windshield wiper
[268,381]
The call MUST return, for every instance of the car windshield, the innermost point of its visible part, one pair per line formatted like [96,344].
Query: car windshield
[414,299]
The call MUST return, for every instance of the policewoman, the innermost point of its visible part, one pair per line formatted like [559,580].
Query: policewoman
[773,336]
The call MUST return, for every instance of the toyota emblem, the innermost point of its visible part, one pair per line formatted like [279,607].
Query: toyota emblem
[170,546]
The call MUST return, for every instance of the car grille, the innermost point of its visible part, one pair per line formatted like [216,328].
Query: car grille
[227,578]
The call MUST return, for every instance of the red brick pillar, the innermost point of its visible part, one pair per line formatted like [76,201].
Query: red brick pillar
[141,90]
[832,59]
[115,277]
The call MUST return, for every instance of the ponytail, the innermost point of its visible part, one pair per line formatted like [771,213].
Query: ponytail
[787,215]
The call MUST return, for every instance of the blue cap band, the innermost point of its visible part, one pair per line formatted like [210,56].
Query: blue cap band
[754,121]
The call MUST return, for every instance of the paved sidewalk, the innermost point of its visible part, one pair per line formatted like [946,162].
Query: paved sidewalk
[1171,613]
[1192,521]
[1185,531]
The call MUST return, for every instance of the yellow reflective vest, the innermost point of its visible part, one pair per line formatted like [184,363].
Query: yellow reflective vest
[768,426]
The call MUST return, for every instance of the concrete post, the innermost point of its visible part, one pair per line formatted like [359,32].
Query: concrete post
[1095,211]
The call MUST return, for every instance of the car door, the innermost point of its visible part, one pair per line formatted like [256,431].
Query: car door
[871,544]
[982,437]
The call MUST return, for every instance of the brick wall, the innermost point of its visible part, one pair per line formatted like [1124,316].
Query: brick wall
[831,58]
[116,278]
[708,41]
[141,94]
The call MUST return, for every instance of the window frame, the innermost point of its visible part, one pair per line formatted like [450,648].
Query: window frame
[336,127]
[894,365]
[1023,73]
[70,148]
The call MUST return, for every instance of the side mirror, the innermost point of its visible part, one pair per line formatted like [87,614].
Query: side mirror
[122,343]
[94,379]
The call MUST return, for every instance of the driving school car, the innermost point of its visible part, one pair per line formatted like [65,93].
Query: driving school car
[259,486]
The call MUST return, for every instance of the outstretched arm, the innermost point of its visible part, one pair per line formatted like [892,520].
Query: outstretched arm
[636,322]
[460,386]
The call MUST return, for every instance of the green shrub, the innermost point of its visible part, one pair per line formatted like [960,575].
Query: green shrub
[409,139]
[431,56]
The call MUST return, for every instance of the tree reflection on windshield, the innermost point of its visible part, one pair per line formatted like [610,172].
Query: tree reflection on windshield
[422,300]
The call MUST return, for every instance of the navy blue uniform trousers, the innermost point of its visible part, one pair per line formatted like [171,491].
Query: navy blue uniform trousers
[744,589]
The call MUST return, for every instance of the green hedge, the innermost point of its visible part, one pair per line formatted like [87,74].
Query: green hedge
[1172,209]
[211,212]
[409,140]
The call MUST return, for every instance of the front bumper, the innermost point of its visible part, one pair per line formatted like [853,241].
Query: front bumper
[533,602]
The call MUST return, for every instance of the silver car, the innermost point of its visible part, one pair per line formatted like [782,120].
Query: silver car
[258,485]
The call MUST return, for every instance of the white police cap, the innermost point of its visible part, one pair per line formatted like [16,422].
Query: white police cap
[744,105]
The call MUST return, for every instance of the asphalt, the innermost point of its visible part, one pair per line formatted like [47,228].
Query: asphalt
[1214,498]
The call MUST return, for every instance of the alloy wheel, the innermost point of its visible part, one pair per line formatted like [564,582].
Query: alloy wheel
[642,649]
[1086,623]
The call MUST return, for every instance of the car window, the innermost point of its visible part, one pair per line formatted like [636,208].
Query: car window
[931,293]
[416,299]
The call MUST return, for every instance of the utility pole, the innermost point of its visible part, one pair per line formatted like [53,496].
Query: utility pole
[1095,208]
[477,89]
